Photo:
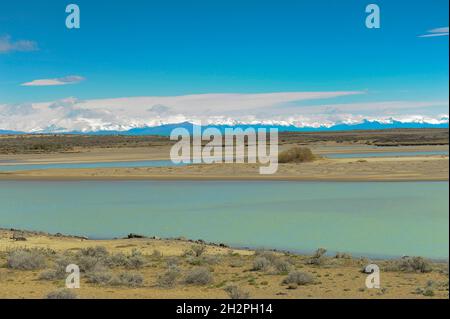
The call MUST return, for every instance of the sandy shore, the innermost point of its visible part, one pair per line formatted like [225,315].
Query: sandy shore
[92,155]
[426,168]
[415,168]
[162,152]
[333,277]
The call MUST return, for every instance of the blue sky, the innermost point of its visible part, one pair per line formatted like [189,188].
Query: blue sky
[173,48]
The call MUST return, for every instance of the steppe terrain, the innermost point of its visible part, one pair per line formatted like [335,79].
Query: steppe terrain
[32,265]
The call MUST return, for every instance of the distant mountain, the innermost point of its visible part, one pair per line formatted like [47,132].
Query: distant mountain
[165,130]
[4,132]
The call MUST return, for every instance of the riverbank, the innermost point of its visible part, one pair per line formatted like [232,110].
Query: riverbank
[416,168]
[253,274]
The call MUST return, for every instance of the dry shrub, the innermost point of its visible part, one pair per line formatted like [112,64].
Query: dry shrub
[62,294]
[318,258]
[100,276]
[195,251]
[282,266]
[199,276]
[261,264]
[410,264]
[236,293]
[169,278]
[296,155]
[98,252]
[128,279]
[298,278]
[25,259]
[343,256]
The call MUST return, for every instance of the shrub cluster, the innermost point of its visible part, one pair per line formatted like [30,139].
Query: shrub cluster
[95,263]
[236,293]
[265,261]
[318,258]
[298,278]
[199,276]
[296,155]
[62,294]
[169,278]
[26,259]
[410,264]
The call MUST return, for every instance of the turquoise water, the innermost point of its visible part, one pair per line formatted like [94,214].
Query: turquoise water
[24,167]
[375,219]
[385,154]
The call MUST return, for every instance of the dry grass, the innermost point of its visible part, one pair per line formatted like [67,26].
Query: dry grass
[225,273]
[296,155]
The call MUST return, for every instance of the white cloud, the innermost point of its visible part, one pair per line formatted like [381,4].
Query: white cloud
[7,45]
[72,79]
[269,108]
[205,104]
[437,32]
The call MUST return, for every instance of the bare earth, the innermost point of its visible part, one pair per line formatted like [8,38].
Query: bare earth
[335,278]
[429,168]
[417,168]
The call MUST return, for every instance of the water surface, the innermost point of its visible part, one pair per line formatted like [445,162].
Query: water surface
[385,154]
[376,219]
[25,167]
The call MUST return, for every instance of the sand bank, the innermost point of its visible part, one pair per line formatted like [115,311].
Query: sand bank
[427,168]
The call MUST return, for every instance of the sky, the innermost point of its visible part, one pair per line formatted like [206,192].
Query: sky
[142,63]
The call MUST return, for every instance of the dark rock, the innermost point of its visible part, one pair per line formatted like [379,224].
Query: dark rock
[130,236]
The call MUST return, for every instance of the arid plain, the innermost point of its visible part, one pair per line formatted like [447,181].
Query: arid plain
[30,262]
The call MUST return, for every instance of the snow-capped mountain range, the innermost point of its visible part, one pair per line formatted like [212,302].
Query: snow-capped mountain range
[293,111]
